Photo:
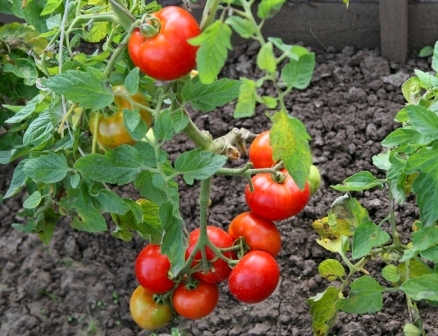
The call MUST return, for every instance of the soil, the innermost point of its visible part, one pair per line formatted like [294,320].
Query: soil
[80,283]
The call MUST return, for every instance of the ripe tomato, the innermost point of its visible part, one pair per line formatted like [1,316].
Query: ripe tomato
[146,312]
[220,269]
[259,233]
[111,131]
[195,303]
[151,270]
[167,55]
[254,278]
[276,201]
[260,151]
[314,179]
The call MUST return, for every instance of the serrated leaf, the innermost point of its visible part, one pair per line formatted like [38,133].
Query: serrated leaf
[423,120]
[423,287]
[422,240]
[22,68]
[111,202]
[268,8]
[180,120]
[26,110]
[18,180]
[365,297]
[360,181]
[49,168]
[390,273]
[331,269]
[144,182]
[290,143]
[244,27]
[266,58]
[162,129]
[118,166]
[206,97]
[431,254]
[132,81]
[135,126]
[246,103]
[88,89]
[426,184]
[417,268]
[214,44]
[404,136]
[198,164]
[33,200]
[39,131]
[270,102]
[366,236]
[297,74]
[293,52]
[323,310]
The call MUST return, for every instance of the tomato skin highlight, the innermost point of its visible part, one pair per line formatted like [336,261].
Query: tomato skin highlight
[220,239]
[195,303]
[276,201]
[111,131]
[151,270]
[146,312]
[167,55]
[260,151]
[259,233]
[254,278]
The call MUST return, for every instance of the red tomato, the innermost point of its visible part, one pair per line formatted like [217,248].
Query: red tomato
[152,268]
[276,201]
[195,303]
[220,269]
[254,278]
[259,233]
[260,151]
[167,55]
[146,312]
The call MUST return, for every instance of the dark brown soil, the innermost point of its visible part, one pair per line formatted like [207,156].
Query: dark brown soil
[81,283]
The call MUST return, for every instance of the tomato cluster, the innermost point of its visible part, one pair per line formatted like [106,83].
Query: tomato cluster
[244,256]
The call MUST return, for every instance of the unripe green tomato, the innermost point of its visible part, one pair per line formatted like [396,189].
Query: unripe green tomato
[314,179]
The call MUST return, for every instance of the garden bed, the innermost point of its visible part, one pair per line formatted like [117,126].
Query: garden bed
[81,283]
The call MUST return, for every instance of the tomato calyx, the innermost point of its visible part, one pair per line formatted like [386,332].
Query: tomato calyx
[150,26]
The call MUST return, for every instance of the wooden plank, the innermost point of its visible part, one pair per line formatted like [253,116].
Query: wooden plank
[423,25]
[394,29]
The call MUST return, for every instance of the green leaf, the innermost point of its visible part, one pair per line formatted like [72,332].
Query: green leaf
[404,136]
[366,236]
[74,180]
[347,210]
[422,240]
[98,31]
[381,161]
[132,81]
[135,126]
[268,8]
[360,181]
[435,57]
[145,183]
[323,310]
[214,44]
[206,97]
[110,202]
[46,224]
[50,168]
[39,131]
[426,78]
[51,6]
[244,27]
[410,329]
[390,273]
[431,254]
[290,143]
[18,180]
[270,102]
[266,58]
[198,164]
[297,74]
[162,129]
[424,120]
[245,106]
[26,110]
[29,227]
[33,200]
[118,166]
[417,268]
[22,68]
[423,287]
[411,90]
[88,89]
[85,216]
[365,297]
[331,269]
[426,184]
[180,120]
[293,52]
[151,221]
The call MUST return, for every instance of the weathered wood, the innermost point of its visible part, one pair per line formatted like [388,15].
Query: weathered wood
[394,29]
[423,25]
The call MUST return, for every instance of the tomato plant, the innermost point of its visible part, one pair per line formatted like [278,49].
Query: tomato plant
[259,233]
[314,179]
[254,278]
[146,312]
[260,151]
[152,270]
[219,269]
[195,303]
[167,54]
[276,200]
[111,130]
